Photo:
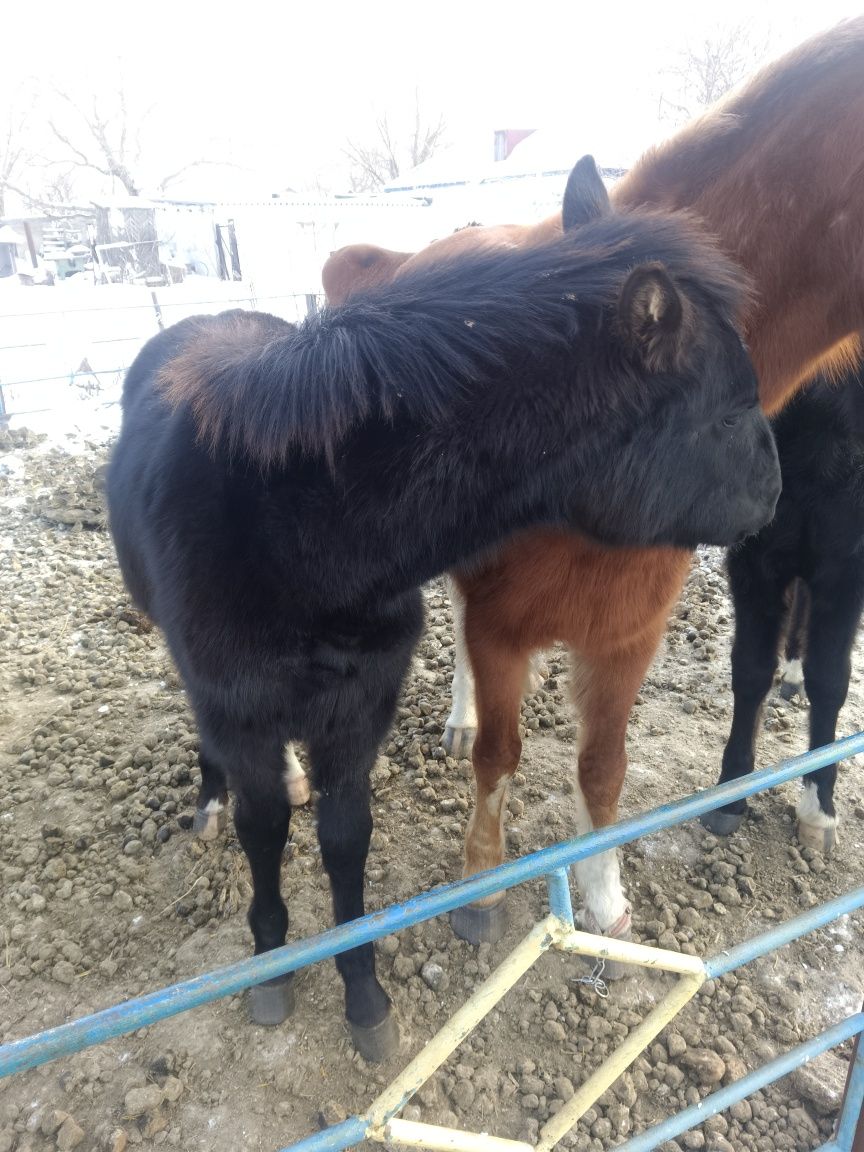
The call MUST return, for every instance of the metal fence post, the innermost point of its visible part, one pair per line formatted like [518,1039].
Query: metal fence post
[850,1127]
[160,322]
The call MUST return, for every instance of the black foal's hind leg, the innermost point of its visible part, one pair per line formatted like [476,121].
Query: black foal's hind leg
[834,616]
[341,765]
[758,622]
[211,807]
[792,677]
[261,816]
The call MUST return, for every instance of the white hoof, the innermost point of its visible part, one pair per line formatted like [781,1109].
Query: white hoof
[209,823]
[298,791]
[537,674]
[816,829]
[792,680]
[819,837]
[458,742]
[620,929]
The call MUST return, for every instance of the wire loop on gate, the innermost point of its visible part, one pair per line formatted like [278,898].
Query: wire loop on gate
[594,981]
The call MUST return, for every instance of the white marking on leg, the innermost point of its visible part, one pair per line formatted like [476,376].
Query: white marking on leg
[599,880]
[462,721]
[495,800]
[484,838]
[793,673]
[296,784]
[809,810]
[214,822]
[537,674]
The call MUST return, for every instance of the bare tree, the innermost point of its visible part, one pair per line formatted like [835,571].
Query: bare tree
[101,135]
[14,146]
[388,155]
[709,70]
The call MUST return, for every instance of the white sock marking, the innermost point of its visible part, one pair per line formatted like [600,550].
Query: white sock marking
[463,709]
[793,672]
[598,877]
[809,810]
[296,784]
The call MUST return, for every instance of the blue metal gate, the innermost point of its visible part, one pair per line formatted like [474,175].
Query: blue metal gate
[381,1122]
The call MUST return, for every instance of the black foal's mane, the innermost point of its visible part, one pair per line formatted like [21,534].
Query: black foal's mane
[420,342]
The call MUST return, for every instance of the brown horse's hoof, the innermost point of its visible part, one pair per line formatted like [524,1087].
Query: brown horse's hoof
[818,838]
[271,1003]
[458,742]
[379,1042]
[722,823]
[208,825]
[480,923]
[622,929]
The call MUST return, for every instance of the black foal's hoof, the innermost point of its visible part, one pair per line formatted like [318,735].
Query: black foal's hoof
[209,825]
[722,823]
[271,1003]
[788,690]
[379,1042]
[480,924]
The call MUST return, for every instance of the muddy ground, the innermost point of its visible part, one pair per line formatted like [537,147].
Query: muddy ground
[104,894]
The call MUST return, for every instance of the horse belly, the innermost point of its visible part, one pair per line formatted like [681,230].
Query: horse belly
[554,586]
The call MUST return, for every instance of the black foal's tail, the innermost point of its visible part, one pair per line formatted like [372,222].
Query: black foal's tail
[419,342]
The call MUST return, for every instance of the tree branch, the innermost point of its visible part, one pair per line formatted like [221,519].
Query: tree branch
[163,184]
[82,159]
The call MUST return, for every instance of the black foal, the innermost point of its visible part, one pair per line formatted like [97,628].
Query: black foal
[278,496]
[803,574]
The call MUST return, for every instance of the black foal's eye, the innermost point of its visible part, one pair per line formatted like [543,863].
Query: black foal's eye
[730,421]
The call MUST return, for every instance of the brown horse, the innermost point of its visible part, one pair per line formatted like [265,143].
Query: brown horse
[776,174]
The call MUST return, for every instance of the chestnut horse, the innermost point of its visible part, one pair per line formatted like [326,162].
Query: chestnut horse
[776,174]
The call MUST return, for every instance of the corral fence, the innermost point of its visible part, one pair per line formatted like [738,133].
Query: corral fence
[57,347]
[556,931]
[50,330]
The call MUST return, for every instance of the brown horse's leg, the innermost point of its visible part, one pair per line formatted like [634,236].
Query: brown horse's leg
[605,688]
[500,679]
[461,726]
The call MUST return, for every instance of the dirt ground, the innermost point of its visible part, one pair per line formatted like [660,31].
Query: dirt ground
[104,894]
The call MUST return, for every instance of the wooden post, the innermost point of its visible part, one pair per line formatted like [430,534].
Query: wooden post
[235,253]
[28,232]
[220,254]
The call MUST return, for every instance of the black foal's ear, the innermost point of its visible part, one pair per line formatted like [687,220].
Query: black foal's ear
[585,197]
[651,315]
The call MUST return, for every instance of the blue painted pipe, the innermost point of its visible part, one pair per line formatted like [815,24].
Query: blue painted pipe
[784,933]
[334,1139]
[558,888]
[752,1082]
[146,1010]
[853,1106]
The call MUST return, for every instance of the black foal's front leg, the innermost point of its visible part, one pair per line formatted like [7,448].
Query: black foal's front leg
[758,622]
[834,616]
[341,765]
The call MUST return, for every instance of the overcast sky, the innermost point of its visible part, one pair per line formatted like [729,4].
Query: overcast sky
[280,86]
